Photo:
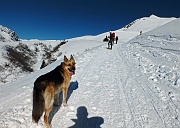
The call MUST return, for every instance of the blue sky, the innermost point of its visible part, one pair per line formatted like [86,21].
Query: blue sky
[64,19]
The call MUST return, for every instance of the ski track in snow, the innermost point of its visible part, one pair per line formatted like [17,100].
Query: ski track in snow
[115,89]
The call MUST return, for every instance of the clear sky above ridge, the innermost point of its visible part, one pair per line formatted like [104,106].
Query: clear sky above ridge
[64,19]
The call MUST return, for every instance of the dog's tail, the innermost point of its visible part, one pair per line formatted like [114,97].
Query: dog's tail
[38,101]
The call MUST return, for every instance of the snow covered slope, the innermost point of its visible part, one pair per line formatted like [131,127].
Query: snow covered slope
[146,24]
[171,28]
[134,85]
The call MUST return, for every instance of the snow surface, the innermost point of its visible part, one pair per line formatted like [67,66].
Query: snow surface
[146,24]
[134,85]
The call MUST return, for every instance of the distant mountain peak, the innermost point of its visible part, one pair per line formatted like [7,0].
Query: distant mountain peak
[7,34]
[153,16]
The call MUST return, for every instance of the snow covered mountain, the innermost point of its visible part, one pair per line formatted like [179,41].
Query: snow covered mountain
[136,84]
[7,35]
[146,24]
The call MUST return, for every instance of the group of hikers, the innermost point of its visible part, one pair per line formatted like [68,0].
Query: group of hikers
[110,39]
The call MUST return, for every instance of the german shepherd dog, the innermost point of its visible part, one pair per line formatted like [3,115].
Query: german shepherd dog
[47,88]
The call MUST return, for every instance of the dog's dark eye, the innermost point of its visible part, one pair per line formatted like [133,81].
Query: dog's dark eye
[69,64]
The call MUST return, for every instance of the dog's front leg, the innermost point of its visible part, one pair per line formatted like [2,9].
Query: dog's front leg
[56,99]
[64,91]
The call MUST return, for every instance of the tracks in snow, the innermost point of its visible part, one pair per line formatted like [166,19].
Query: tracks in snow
[157,108]
[113,88]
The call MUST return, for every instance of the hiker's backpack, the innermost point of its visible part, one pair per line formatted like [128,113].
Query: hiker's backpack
[113,35]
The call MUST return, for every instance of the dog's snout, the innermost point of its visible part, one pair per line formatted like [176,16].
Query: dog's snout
[73,68]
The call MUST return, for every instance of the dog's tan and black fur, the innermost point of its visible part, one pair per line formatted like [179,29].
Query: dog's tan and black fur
[47,88]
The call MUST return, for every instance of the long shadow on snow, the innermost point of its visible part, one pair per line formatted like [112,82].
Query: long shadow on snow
[73,86]
[83,121]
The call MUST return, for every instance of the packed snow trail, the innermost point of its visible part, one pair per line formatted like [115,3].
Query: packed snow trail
[109,90]
[111,86]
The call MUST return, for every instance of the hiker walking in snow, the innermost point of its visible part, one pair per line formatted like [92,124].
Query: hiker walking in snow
[116,39]
[110,43]
[112,36]
[140,32]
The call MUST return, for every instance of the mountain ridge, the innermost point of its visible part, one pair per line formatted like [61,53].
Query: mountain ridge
[7,34]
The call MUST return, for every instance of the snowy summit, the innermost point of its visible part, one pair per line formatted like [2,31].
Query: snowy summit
[134,85]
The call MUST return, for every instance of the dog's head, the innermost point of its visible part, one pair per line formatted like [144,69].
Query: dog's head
[70,65]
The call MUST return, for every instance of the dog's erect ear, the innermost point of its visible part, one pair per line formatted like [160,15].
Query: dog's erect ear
[72,58]
[65,59]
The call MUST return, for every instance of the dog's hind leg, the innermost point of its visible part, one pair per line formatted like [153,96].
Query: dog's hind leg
[49,99]
[56,99]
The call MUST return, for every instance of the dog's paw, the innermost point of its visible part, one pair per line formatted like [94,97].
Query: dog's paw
[65,104]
